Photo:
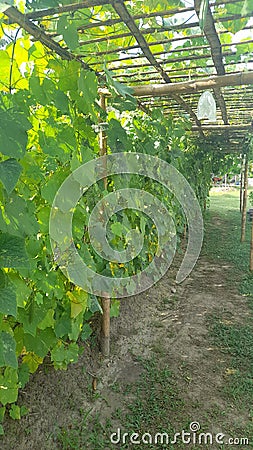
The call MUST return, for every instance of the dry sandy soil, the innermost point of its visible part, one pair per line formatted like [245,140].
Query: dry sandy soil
[167,322]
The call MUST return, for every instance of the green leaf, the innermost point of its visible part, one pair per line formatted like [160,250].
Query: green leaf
[120,88]
[20,216]
[114,309]
[86,332]
[70,36]
[15,412]
[68,31]
[2,413]
[63,355]
[8,350]
[49,189]
[37,90]
[94,305]
[22,290]
[10,171]
[33,361]
[63,325]
[41,343]
[3,279]
[68,75]
[117,229]
[247,7]
[234,26]
[61,101]
[43,218]
[33,315]
[118,140]
[23,374]
[13,133]
[19,338]
[8,386]
[8,302]
[87,86]
[78,302]
[12,251]
[48,320]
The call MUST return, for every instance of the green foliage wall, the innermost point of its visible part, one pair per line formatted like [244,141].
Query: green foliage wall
[48,110]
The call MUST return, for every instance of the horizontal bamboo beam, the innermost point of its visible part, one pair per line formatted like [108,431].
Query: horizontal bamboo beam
[223,127]
[62,9]
[159,90]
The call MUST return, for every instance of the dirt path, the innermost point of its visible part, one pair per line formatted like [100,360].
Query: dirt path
[168,324]
[175,329]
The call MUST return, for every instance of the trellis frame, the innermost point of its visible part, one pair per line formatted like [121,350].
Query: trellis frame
[174,95]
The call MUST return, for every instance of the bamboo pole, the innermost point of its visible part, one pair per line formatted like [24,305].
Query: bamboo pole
[17,17]
[244,204]
[241,181]
[105,328]
[157,90]
[223,127]
[105,300]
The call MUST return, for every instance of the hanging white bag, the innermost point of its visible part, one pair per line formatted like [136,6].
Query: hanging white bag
[207,107]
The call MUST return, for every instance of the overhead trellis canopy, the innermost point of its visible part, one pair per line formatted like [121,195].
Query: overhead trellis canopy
[159,50]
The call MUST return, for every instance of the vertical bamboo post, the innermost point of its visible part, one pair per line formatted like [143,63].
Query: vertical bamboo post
[105,300]
[244,199]
[241,180]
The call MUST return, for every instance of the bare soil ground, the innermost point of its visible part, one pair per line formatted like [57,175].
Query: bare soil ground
[167,323]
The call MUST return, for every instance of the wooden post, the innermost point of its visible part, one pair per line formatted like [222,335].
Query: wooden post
[105,329]
[241,180]
[244,199]
[105,300]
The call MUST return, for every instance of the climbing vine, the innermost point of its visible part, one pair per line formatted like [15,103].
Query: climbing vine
[49,112]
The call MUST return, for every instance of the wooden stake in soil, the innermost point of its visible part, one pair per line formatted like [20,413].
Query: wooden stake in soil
[241,181]
[105,329]
[244,204]
[105,300]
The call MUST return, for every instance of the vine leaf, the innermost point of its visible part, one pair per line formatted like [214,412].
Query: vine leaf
[8,350]
[12,251]
[114,310]
[13,133]
[68,31]
[8,302]
[120,88]
[41,342]
[247,7]
[10,171]
[9,386]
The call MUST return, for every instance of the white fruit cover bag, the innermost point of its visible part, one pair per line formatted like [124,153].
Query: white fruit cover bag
[207,107]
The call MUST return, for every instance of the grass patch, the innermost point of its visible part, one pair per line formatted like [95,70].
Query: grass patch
[222,239]
[154,399]
[223,243]
[236,341]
